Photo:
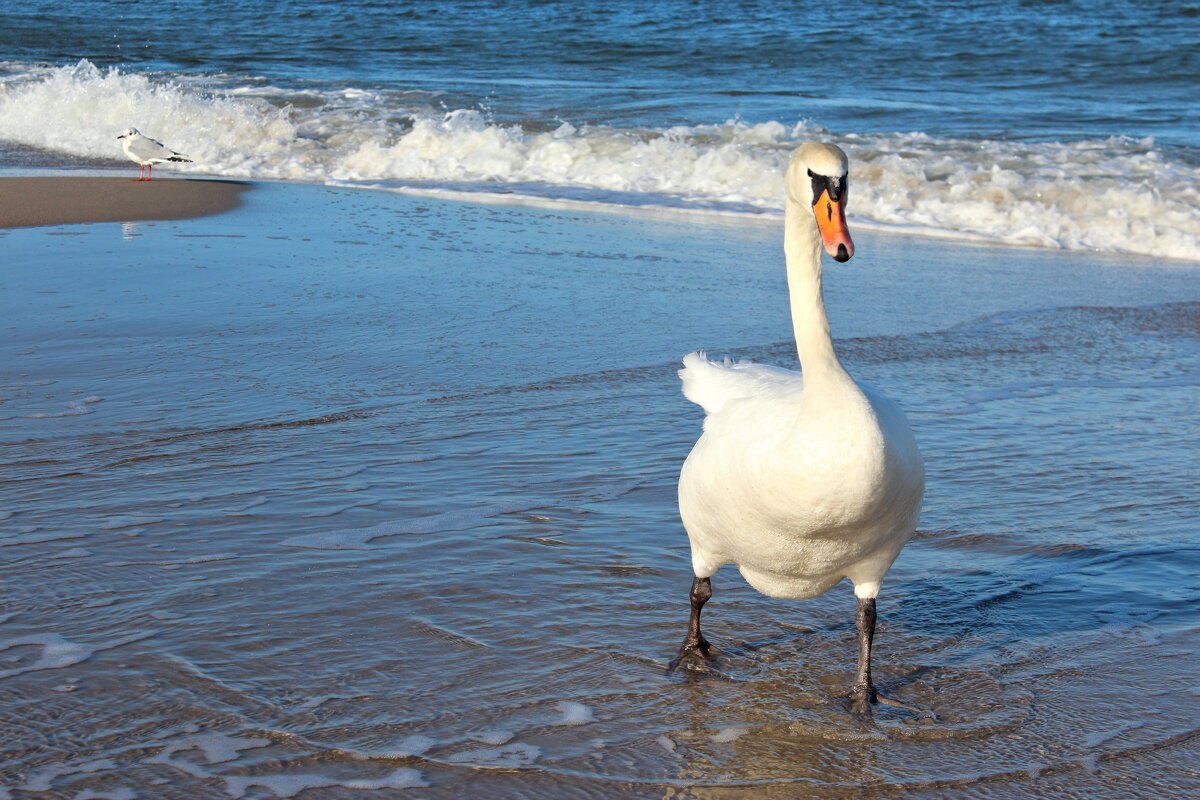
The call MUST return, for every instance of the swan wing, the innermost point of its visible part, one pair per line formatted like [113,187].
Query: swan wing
[712,384]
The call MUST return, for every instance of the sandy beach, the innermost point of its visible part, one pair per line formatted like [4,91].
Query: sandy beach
[354,490]
[34,201]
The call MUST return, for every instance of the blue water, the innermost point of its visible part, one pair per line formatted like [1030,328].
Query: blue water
[1008,70]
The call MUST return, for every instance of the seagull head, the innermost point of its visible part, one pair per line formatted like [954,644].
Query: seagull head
[129,133]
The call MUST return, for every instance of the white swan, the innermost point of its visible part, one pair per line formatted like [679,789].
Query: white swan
[800,481]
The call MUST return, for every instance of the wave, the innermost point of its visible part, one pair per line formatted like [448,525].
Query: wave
[1116,195]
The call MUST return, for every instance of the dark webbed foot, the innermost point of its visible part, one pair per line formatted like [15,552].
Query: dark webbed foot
[692,652]
[861,698]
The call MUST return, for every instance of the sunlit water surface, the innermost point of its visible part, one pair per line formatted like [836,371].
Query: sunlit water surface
[351,491]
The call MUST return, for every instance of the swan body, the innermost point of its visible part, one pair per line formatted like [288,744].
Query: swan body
[799,478]
[799,488]
[147,152]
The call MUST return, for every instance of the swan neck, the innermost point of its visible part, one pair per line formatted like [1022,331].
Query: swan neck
[802,250]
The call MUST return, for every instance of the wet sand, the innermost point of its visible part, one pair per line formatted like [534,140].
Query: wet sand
[31,202]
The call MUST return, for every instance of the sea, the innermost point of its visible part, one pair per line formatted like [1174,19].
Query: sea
[367,488]
[1060,124]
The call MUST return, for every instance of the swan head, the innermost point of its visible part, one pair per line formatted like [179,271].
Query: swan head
[817,179]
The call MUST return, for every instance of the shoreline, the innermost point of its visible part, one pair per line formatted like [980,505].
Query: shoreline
[27,202]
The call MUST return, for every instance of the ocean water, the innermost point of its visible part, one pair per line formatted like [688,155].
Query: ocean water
[1067,124]
[367,489]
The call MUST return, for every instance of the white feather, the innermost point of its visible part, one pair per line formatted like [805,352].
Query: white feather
[711,385]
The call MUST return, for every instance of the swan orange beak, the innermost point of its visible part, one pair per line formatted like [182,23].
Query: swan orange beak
[831,221]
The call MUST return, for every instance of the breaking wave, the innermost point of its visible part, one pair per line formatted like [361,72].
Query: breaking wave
[1116,195]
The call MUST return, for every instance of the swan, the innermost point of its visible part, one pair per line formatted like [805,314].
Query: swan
[799,478]
[147,152]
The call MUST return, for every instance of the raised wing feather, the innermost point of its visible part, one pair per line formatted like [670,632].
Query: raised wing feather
[712,384]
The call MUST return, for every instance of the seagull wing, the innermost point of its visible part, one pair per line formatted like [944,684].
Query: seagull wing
[147,149]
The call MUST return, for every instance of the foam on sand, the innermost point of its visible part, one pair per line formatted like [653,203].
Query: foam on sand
[225,751]
[216,747]
[58,652]
[574,713]
[514,755]
[291,785]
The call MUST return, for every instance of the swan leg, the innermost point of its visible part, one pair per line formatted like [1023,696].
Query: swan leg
[863,693]
[694,642]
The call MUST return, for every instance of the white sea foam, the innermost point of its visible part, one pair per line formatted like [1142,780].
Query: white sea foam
[57,652]
[412,745]
[491,736]
[513,755]
[42,779]
[1118,195]
[574,713]
[729,735]
[216,747]
[122,793]
[291,785]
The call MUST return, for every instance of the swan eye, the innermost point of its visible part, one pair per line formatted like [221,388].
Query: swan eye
[836,187]
[820,184]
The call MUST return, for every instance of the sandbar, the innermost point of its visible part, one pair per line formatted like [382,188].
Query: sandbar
[33,201]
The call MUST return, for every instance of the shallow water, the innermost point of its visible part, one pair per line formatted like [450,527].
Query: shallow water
[354,491]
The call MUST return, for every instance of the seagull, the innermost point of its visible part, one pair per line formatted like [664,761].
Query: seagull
[146,152]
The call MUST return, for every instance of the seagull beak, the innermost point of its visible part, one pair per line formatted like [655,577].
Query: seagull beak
[831,221]
[122,136]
